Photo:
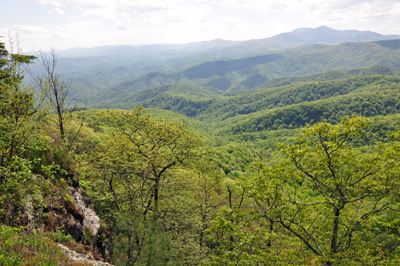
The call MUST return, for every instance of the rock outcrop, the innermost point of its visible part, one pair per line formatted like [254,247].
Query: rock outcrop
[82,258]
[88,223]
[76,216]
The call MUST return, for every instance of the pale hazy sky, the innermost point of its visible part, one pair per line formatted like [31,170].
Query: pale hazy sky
[63,24]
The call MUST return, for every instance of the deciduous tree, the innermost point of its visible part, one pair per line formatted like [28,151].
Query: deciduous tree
[56,90]
[139,170]
[326,190]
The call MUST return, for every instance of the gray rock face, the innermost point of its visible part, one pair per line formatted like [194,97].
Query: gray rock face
[76,257]
[84,206]
[75,216]
[83,223]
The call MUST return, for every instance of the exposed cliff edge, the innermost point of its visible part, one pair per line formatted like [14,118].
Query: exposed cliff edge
[83,224]
[86,227]
[82,258]
[69,209]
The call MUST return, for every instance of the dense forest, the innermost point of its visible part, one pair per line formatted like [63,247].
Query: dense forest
[296,169]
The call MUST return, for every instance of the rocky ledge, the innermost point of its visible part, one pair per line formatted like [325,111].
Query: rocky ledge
[82,258]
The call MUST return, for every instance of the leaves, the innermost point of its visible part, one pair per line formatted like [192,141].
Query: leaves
[326,190]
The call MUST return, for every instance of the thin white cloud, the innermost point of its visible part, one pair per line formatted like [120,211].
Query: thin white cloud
[82,4]
[344,4]
[50,2]
[121,27]
[175,19]
[28,29]
[57,11]
[354,13]
[107,22]
[278,6]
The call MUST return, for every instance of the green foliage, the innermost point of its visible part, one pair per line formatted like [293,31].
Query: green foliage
[287,107]
[20,141]
[10,247]
[53,170]
[370,98]
[11,64]
[324,196]
[333,75]
[139,181]
[326,192]
[60,237]
[21,248]
[234,236]
[145,149]
[140,241]
[18,121]
[31,160]
[238,240]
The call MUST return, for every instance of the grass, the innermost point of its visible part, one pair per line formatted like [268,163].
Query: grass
[20,247]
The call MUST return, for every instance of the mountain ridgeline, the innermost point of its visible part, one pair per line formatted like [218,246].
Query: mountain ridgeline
[249,73]
[104,72]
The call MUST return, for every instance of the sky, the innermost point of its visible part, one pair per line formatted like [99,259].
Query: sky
[63,24]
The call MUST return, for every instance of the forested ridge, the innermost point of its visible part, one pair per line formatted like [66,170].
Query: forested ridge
[300,170]
[210,104]
[106,78]
[252,71]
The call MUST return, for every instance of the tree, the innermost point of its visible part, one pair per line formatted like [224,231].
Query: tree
[20,140]
[3,60]
[147,149]
[327,191]
[235,236]
[18,118]
[57,92]
[135,175]
[11,64]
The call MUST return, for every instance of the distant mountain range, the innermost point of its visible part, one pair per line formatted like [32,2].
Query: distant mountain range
[330,36]
[250,72]
[109,75]
[281,41]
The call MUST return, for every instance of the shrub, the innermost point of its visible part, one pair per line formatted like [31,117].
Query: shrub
[18,247]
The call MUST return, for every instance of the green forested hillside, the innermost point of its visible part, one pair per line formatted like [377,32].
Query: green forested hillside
[333,75]
[259,119]
[209,104]
[248,73]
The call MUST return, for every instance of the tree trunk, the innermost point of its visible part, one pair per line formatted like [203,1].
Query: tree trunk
[156,188]
[335,232]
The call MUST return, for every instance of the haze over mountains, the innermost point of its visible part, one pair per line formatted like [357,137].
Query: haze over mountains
[125,76]
[281,41]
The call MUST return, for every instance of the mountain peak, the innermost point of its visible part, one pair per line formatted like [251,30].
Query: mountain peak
[324,34]
[304,29]
[298,30]
[324,28]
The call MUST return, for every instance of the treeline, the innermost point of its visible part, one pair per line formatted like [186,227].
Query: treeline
[293,94]
[367,104]
[200,103]
[334,75]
